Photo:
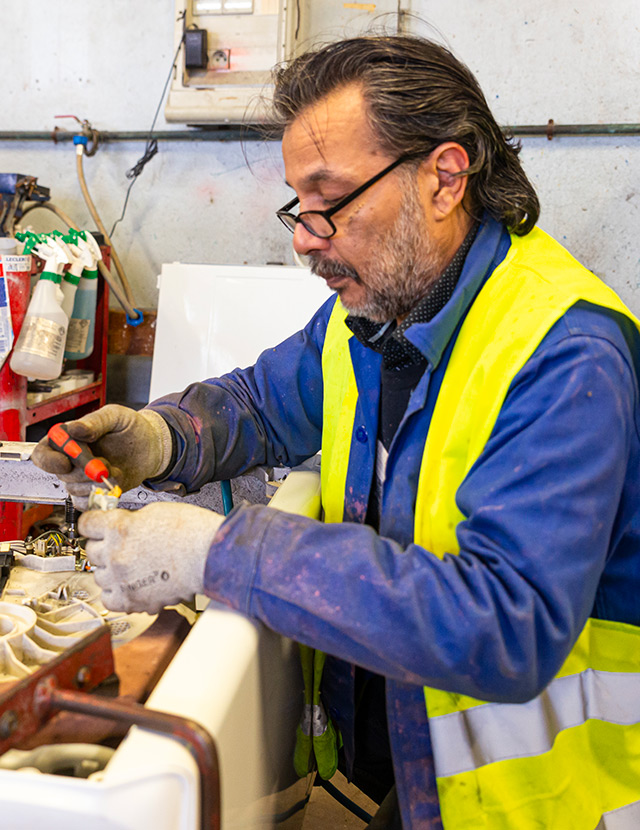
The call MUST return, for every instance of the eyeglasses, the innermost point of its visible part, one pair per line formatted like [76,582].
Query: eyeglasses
[319,222]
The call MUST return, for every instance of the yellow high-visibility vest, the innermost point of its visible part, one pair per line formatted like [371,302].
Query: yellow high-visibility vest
[570,758]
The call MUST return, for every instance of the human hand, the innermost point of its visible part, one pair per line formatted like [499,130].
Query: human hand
[134,445]
[149,558]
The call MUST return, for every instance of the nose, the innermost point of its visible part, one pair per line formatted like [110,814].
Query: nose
[305,243]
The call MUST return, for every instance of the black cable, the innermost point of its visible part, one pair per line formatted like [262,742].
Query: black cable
[151,147]
[346,802]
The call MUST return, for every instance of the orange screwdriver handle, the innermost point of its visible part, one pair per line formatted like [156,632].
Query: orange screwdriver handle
[79,453]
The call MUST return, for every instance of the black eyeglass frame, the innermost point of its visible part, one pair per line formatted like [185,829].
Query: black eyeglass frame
[327,214]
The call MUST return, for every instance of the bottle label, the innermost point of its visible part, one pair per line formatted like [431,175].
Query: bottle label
[42,337]
[77,335]
[14,262]
[8,263]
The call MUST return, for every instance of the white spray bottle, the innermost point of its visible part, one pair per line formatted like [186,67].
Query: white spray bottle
[70,277]
[39,349]
[83,319]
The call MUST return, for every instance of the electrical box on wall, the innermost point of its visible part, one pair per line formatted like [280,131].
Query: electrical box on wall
[224,68]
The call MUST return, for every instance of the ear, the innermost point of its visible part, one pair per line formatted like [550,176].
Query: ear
[446,164]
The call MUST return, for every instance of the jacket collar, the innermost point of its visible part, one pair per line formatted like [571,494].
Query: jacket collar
[488,250]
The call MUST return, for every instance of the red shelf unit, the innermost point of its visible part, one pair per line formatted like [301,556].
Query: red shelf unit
[16,417]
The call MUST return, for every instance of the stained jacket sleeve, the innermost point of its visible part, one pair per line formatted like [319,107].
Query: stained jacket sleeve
[497,621]
[269,413]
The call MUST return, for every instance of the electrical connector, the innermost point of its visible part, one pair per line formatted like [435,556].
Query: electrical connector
[195,49]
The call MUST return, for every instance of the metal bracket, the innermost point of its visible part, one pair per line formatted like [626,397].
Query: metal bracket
[550,128]
[84,666]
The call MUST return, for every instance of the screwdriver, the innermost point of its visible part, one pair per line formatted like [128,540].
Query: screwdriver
[79,454]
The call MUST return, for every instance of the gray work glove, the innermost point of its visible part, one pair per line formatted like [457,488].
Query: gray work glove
[149,558]
[134,445]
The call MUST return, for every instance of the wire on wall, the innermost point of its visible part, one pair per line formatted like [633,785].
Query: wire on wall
[151,147]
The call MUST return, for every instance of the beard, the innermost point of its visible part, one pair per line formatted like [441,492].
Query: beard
[400,268]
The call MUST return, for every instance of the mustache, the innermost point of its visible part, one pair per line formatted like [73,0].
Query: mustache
[330,268]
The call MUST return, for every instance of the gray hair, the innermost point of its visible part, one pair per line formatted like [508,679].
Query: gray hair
[418,96]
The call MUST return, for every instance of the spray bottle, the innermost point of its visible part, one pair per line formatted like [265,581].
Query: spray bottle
[82,323]
[71,277]
[39,350]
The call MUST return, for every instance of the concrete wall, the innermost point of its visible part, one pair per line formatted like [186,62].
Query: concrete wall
[199,202]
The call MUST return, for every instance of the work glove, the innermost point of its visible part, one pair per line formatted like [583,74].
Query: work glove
[147,559]
[134,445]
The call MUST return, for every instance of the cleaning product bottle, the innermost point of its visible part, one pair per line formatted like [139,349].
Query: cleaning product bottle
[39,350]
[70,283]
[71,277]
[83,318]
[8,248]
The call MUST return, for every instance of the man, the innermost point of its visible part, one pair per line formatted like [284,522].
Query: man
[474,392]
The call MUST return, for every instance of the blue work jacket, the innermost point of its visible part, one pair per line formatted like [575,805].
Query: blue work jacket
[556,492]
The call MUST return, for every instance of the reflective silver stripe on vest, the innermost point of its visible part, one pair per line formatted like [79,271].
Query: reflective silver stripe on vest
[313,718]
[464,741]
[624,818]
